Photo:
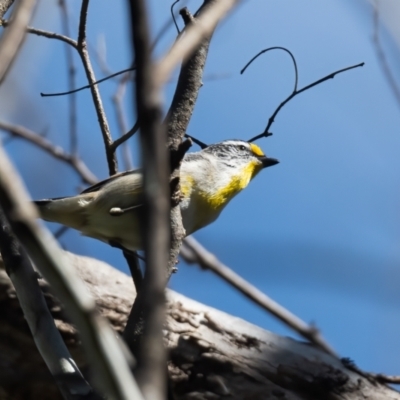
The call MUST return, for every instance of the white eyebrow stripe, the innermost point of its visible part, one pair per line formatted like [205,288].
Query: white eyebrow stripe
[235,143]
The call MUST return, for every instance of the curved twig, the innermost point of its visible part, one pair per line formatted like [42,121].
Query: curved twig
[90,85]
[173,16]
[271,120]
[296,73]
[116,143]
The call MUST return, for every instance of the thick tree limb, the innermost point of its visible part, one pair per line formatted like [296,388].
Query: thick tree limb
[212,355]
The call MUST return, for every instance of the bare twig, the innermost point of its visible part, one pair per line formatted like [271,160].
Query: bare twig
[71,83]
[13,37]
[101,116]
[295,92]
[371,376]
[296,72]
[57,152]
[149,306]
[121,119]
[56,94]
[193,252]
[47,34]
[382,57]
[184,47]
[104,351]
[45,334]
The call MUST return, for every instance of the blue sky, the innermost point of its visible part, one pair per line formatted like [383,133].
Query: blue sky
[320,231]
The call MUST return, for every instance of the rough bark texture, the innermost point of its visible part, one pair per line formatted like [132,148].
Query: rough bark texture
[212,355]
[4,6]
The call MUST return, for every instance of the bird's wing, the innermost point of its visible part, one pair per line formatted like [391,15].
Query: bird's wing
[97,186]
[120,191]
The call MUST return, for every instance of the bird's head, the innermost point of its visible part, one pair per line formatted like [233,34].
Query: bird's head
[240,157]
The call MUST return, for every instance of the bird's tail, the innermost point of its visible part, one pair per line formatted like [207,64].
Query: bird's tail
[69,211]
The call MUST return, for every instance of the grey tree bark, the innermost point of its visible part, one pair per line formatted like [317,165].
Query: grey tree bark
[212,355]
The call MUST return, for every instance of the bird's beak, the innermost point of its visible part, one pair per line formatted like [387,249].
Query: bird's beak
[268,161]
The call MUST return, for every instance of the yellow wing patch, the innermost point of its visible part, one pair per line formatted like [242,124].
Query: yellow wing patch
[256,150]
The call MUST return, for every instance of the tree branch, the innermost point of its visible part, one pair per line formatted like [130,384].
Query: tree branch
[104,351]
[149,307]
[185,45]
[213,355]
[57,152]
[13,37]
[46,34]
[47,338]
[71,83]
[101,116]
[193,252]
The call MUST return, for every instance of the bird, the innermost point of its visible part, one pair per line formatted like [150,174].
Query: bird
[110,210]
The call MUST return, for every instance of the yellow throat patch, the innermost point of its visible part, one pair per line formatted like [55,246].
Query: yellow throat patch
[236,185]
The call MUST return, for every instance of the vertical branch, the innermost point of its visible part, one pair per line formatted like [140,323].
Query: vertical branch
[101,116]
[176,123]
[382,57]
[71,82]
[150,353]
[121,119]
[178,118]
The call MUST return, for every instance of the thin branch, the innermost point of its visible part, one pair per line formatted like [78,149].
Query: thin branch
[271,120]
[104,351]
[122,124]
[184,47]
[371,376]
[13,37]
[197,141]
[45,334]
[382,57]
[46,34]
[173,15]
[150,302]
[296,72]
[127,136]
[90,85]
[71,83]
[193,252]
[57,152]
[101,116]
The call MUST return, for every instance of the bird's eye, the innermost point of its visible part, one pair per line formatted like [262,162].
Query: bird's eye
[243,148]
